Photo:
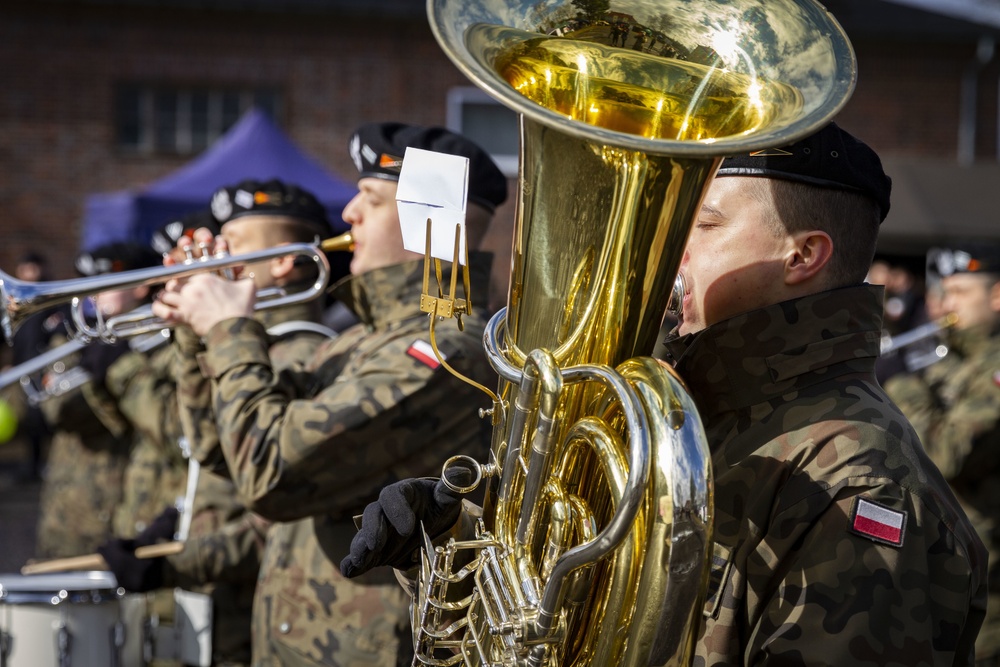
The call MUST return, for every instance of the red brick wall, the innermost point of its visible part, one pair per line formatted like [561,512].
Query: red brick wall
[60,65]
[60,68]
[908,98]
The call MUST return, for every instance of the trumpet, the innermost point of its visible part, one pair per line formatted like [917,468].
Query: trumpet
[22,299]
[63,379]
[918,345]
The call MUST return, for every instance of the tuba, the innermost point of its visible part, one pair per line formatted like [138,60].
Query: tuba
[594,543]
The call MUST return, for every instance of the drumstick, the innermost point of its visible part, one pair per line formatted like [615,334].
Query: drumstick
[161,549]
[97,562]
[88,562]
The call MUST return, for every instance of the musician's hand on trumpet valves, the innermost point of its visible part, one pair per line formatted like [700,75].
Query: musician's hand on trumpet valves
[203,300]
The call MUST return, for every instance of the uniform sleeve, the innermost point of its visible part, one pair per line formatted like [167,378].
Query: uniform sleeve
[295,452]
[147,395]
[962,433]
[194,404]
[846,599]
[230,553]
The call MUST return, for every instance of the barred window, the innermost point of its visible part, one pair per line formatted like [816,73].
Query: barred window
[476,115]
[183,120]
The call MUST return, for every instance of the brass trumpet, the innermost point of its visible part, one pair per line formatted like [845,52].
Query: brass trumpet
[22,299]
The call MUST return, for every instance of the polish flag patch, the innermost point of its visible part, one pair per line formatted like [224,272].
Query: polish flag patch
[422,351]
[877,522]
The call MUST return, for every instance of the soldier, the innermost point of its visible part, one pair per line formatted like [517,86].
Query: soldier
[91,440]
[836,541]
[954,405]
[309,449]
[223,546]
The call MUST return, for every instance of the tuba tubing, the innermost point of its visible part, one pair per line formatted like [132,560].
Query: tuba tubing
[594,544]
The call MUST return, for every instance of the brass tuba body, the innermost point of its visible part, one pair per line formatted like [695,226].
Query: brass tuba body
[594,543]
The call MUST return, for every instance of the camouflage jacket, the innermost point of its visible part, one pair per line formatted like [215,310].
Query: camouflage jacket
[311,446]
[954,406]
[85,471]
[836,540]
[223,550]
[143,384]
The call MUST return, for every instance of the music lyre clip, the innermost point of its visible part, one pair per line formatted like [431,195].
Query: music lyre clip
[446,304]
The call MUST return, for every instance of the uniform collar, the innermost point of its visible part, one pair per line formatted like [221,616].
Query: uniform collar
[768,352]
[968,342]
[308,310]
[392,293]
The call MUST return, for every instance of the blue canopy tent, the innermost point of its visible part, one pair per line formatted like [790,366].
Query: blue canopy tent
[253,148]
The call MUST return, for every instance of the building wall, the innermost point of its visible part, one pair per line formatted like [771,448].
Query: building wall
[60,63]
[56,102]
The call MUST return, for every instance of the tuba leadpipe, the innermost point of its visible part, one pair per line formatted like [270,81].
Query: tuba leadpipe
[21,299]
[596,527]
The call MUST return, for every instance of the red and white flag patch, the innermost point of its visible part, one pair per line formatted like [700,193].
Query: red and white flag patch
[877,522]
[422,351]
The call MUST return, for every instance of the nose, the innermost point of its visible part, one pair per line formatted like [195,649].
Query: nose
[685,258]
[352,212]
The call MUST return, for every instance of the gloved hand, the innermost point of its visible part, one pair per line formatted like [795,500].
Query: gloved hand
[97,358]
[390,532]
[160,529]
[140,574]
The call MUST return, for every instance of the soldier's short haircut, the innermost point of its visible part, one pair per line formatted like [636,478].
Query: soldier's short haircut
[849,218]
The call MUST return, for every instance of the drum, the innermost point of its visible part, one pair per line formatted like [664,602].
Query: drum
[69,619]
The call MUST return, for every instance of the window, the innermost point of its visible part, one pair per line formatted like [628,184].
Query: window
[485,121]
[183,120]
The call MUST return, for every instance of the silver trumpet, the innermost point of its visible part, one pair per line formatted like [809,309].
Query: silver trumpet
[62,378]
[921,346]
[22,299]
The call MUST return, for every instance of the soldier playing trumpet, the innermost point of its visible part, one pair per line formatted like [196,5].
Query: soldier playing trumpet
[955,404]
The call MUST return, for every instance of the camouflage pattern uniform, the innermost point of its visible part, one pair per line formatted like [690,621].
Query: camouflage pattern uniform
[954,406]
[836,540]
[84,475]
[156,476]
[225,543]
[311,449]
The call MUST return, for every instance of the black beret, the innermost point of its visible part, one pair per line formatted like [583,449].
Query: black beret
[116,257]
[166,237]
[378,148]
[271,197]
[971,257]
[830,158]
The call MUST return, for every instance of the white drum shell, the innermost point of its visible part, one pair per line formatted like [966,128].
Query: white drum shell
[69,619]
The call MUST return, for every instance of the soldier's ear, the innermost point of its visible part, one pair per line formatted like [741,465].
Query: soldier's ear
[808,255]
[282,265]
[995,297]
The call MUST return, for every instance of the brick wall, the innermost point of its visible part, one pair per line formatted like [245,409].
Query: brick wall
[60,64]
[56,102]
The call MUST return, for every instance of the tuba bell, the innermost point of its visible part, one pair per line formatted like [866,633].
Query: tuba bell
[595,537]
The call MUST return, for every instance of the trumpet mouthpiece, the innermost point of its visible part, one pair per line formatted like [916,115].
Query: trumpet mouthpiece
[342,243]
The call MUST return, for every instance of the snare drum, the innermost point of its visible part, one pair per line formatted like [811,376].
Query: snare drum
[68,619]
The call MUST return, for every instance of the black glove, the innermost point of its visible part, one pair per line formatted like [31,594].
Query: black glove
[389,532]
[161,529]
[140,574]
[97,358]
